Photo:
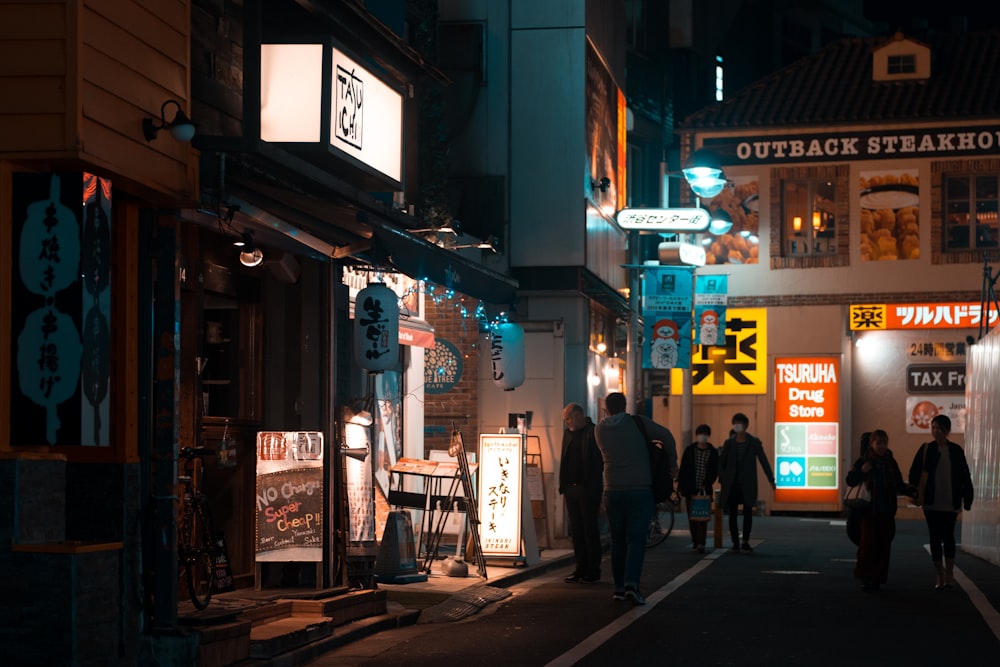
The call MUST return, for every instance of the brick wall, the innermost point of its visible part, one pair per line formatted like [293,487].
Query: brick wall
[460,405]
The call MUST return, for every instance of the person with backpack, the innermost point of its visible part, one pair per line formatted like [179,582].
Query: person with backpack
[738,474]
[628,492]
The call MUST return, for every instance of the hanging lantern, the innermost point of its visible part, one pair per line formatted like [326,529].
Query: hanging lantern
[508,356]
[376,328]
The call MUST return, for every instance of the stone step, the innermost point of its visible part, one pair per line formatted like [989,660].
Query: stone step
[272,628]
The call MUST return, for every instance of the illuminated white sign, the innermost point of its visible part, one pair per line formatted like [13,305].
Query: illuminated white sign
[689,220]
[500,474]
[673,253]
[366,114]
[366,117]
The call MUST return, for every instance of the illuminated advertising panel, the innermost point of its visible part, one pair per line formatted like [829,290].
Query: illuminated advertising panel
[737,364]
[501,462]
[807,429]
[887,316]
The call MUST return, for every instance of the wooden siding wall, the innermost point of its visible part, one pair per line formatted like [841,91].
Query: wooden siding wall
[77,78]
[33,76]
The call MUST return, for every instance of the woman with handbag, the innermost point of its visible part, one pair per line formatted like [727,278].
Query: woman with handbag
[698,472]
[941,473]
[878,471]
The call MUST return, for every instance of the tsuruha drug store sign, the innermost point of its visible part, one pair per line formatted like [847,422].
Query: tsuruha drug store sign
[807,429]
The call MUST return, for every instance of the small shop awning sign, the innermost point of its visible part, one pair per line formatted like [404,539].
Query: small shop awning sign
[683,220]
[415,332]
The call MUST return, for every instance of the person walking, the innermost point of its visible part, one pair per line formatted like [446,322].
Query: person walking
[947,490]
[698,472]
[738,474]
[877,469]
[628,494]
[581,471]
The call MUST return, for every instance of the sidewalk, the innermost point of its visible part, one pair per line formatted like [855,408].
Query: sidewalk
[439,599]
[444,598]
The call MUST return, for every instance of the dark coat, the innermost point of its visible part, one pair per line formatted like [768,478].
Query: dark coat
[591,462]
[961,477]
[884,481]
[744,472]
[685,478]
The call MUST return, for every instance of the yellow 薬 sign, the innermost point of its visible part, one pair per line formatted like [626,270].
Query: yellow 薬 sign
[738,366]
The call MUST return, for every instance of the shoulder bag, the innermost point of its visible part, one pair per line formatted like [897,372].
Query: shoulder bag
[858,497]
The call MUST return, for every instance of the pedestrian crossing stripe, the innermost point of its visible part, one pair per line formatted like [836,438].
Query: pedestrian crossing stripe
[738,366]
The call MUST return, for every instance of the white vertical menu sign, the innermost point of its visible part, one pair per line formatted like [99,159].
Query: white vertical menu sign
[502,501]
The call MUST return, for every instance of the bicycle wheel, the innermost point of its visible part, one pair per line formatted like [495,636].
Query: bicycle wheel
[661,524]
[199,555]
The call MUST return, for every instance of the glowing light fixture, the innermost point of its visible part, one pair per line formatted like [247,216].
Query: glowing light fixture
[180,127]
[251,257]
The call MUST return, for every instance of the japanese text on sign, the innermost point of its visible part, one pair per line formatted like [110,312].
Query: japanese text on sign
[500,479]
[737,364]
[873,317]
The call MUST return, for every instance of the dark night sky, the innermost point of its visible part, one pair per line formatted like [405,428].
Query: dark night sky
[898,14]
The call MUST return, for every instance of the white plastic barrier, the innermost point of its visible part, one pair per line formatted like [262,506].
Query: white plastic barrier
[981,526]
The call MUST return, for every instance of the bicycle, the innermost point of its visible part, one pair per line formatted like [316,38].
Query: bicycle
[196,538]
[662,522]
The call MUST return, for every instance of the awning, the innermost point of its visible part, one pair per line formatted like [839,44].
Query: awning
[423,260]
[416,332]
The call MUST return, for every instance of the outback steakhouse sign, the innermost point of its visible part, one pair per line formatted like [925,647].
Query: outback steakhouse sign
[842,146]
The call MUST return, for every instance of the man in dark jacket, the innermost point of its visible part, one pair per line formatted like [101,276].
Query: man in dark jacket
[738,474]
[580,482]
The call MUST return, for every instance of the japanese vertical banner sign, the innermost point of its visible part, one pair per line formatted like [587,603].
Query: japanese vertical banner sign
[807,429]
[501,462]
[710,299]
[666,312]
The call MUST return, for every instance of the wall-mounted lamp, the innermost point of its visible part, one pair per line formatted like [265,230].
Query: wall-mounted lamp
[181,126]
[797,223]
[250,254]
[252,257]
[817,220]
[602,184]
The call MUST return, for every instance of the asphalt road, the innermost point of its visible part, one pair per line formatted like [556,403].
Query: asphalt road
[793,601]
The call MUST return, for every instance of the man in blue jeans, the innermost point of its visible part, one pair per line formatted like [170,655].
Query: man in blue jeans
[628,495]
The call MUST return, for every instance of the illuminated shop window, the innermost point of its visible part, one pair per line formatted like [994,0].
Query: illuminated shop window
[970,209]
[808,218]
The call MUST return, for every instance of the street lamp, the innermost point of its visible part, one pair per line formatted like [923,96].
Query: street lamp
[703,173]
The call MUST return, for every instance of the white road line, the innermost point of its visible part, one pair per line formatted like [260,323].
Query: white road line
[979,601]
[587,646]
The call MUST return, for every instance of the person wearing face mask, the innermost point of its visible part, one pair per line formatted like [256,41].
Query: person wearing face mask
[698,472]
[738,474]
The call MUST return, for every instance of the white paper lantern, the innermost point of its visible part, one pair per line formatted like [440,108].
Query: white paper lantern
[507,351]
[376,328]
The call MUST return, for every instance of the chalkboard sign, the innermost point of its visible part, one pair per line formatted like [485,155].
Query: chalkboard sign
[290,515]
[223,570]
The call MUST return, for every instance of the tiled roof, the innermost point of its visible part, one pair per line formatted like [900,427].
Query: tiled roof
[834,86]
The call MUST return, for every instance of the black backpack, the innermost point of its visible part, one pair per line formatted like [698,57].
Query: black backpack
[659,465]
